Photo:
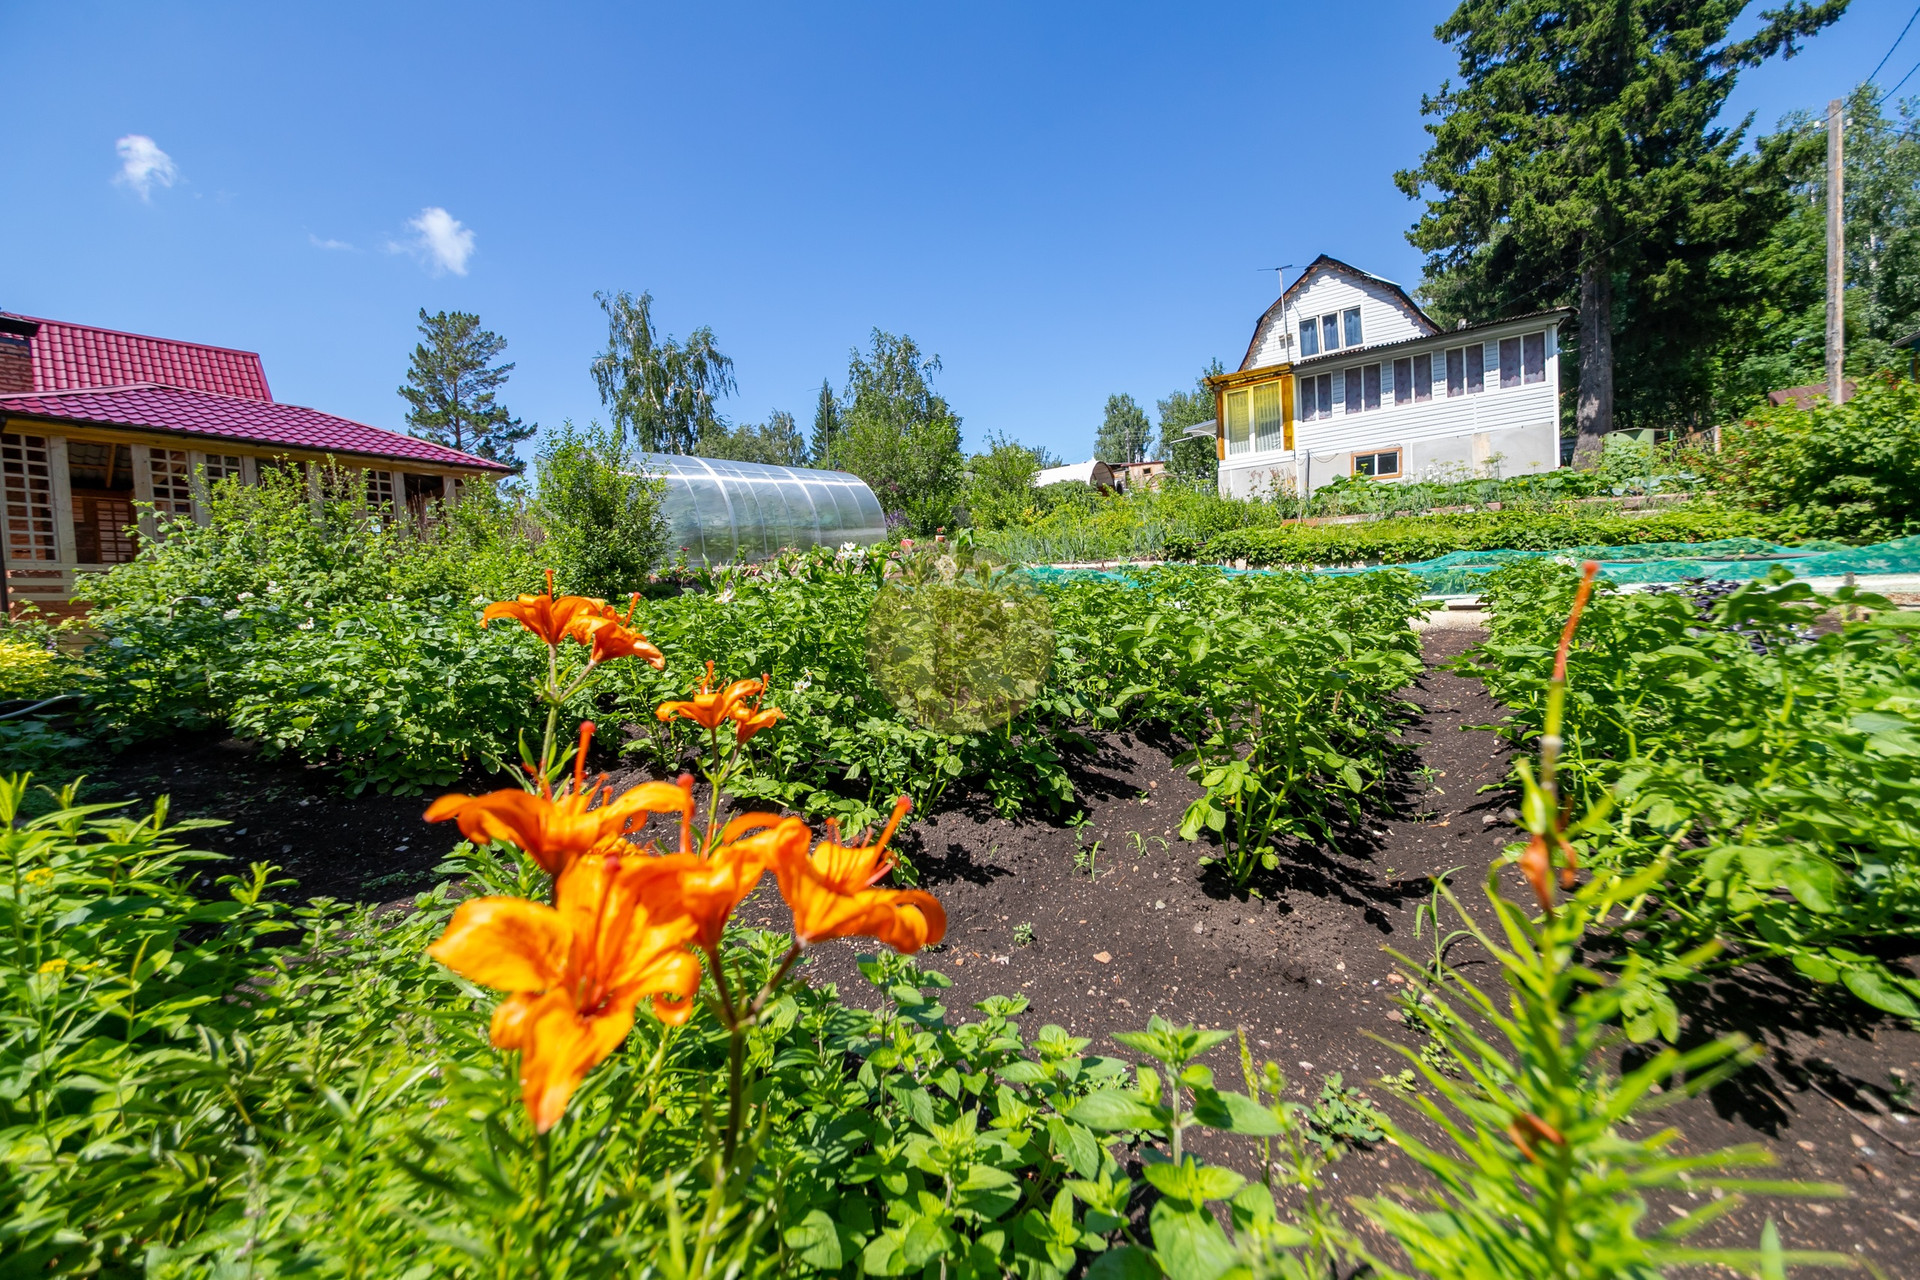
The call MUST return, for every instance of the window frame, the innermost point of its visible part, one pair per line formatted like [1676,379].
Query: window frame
[1403,380]
[1533,344]
[1509,368]
[1423,388]
[1350,333]
[1395,452]
[1309,337]
[1352,397]
[1475,355]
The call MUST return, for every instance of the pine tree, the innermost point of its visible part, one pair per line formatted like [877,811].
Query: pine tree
[1579,154]
[826,425]
[451,388]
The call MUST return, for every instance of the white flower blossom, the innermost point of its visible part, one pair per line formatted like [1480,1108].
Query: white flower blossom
[307,625]
[231,614]
[726,597]
[244,595]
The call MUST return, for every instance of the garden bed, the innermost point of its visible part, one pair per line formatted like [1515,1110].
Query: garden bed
[1301,966]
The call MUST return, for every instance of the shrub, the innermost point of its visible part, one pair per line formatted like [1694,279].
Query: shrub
[1832,471]
[1403,541]
[603,521]
[32,670]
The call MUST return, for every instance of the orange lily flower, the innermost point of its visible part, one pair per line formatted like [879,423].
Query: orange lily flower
[752,721]
[608,638]
[710,709]
[547,617]
[831,894]
[575,971]
[608,634]
[708,889]
[553,832]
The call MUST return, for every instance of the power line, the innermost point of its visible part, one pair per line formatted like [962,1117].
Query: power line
[1895,45]
[1896,85]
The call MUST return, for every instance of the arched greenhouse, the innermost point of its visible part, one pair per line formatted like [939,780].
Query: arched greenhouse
[724,511]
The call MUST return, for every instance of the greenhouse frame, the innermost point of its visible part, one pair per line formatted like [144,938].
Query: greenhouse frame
[719,511]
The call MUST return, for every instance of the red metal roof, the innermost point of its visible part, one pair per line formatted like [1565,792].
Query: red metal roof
[67,356]
[228,417]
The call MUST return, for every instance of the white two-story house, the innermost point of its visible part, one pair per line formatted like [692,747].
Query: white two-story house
[1346,376]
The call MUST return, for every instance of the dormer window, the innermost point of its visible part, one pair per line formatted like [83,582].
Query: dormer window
[1330,332]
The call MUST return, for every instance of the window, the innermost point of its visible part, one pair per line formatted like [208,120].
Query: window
[1309,337]
[1534,362]
[1456,372]
[1509,363]
[380,488]
[1422,378]
[172,482]
[26,484]
[1476,368]
[1352,318]
[1370,385]
[1378,465]
[1313,398]
[1269,422]
[1403,381]
[221,466]
[1353,390]
[1330,332]
[1237,437]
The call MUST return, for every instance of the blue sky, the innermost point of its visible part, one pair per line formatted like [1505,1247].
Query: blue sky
[1062,202]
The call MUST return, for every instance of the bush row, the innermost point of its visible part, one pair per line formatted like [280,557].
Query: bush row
[1404,541]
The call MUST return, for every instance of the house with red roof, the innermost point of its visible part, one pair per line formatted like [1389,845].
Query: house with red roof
[97,426]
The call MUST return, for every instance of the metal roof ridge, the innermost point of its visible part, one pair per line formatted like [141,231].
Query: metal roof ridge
[128,333]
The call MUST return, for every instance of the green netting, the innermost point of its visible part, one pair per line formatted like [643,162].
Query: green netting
[1459,573]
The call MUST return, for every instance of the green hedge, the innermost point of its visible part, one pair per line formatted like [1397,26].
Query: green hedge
[1404,541]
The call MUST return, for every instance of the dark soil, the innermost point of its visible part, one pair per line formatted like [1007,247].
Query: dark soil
[1301,964]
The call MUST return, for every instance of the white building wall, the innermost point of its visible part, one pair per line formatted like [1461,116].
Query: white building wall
[1514,430]
[1383,316]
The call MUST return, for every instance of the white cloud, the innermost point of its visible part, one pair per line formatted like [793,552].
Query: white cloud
[440,239]
[143,164]
[318,243]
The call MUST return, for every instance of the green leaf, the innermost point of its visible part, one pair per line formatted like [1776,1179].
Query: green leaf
[1878,988]
[1190,1246]
[1114,1109]
[1235,1113]
[1816,966]
[1815,883]
[1193,1183]
[815,1241]
[1125,1263]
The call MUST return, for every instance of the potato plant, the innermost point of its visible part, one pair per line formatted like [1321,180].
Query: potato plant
[1770,758]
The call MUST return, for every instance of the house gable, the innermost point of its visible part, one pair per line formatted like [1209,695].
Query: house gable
[1331,287]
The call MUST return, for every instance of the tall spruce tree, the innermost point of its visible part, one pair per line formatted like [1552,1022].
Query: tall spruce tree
[1579,158]
[826,425]
[451,387]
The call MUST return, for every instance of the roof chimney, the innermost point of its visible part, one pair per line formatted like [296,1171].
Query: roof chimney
[16,354]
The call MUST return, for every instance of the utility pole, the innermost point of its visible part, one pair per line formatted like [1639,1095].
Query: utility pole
[1836,258]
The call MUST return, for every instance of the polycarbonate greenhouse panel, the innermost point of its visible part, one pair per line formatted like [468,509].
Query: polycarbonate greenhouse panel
[724,511]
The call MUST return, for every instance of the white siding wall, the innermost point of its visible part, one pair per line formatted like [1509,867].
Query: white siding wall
[1383,316]
[1519,424]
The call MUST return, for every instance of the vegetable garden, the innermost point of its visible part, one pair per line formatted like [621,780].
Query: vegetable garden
[631,1027]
